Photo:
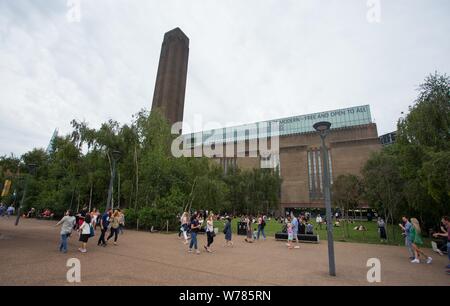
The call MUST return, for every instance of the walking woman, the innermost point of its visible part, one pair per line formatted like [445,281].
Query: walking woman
[115,223]
[210,234]
[184,220]
[67,222]
[248,222]
[85,232]
[195,227]
[227,231]
[417,242]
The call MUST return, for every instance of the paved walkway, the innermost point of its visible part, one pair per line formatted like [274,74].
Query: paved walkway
[29,256]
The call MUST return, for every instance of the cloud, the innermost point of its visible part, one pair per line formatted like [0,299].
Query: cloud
[249,60]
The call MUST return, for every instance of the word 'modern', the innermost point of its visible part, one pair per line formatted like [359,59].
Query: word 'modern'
[374,273]
[73,275]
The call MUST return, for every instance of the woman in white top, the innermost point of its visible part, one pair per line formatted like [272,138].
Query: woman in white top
[184,220]
[210,232]
[85,233]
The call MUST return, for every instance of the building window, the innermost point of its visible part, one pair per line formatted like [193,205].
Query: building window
[228,163]
[315,173]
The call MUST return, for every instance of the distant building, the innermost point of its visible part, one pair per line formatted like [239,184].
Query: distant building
[49,149]
[352,138]
[388,139]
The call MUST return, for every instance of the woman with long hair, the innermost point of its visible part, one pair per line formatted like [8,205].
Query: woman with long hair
[115,223]
[85,232]
[417,242]
[184,220]
[210,232]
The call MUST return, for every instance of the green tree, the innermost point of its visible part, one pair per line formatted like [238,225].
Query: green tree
[347,192]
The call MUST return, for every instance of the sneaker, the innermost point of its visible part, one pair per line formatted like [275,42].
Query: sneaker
[115,243]
[197,252]
[448,272]
[83,251]
[190,251]
[429,260]
[415,261]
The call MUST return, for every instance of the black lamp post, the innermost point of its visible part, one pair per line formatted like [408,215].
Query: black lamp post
[323,128]
[31,170]
[115,157]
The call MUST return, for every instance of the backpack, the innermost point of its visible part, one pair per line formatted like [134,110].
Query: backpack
[263,223]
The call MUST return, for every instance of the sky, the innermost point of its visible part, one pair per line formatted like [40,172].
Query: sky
[250,60]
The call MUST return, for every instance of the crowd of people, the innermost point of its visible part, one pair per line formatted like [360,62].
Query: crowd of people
[8,211]
[85,223]
[192,225]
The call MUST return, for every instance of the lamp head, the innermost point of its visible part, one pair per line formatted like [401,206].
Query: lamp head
[322,126]
[116,154]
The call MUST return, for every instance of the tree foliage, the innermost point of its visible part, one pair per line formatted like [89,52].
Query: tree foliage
[154,185]
[412,177]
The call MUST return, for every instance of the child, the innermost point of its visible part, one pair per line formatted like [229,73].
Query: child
[290,232]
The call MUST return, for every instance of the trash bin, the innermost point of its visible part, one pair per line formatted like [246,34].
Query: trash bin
[242,228]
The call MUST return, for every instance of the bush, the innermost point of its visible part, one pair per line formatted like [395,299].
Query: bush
[131,217]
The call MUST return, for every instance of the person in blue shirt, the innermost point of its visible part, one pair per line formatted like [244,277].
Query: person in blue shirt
[195,227]
[104,224]
[406,227]
[294,223]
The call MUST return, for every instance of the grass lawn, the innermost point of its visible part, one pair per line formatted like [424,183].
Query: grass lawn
[369,236]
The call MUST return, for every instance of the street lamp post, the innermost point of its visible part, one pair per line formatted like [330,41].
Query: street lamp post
[323,128]
[31,168]
[115,156]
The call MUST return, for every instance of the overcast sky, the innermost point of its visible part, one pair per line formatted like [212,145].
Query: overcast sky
[250,60]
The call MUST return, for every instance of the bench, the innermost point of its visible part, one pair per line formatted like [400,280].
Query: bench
[301,237]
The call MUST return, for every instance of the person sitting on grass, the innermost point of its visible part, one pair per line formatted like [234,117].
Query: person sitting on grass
[446,222]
